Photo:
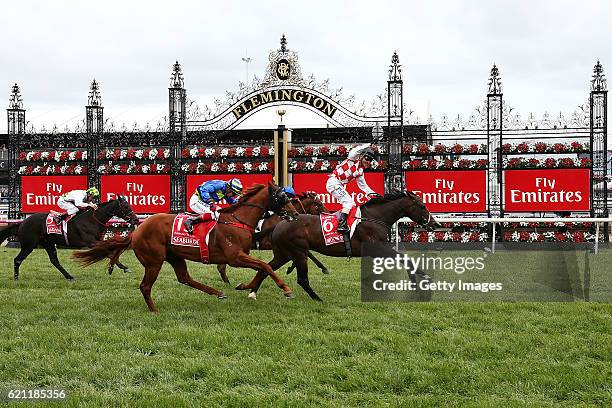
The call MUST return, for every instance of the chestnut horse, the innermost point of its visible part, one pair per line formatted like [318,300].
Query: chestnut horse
[305,203]
[230,242]
[377,217]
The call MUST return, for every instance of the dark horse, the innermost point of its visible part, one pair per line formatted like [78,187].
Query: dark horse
[230,242]
[83,231]
[292,242]
[305,203]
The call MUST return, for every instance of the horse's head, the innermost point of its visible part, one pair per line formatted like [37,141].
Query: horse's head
[280,203]
[123,210]
[418,212]
[311,203]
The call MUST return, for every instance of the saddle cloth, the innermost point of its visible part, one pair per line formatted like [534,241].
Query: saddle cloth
[54,228]
[329,226]
[199,239]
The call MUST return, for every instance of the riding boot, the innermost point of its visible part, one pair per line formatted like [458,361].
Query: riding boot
[190,222]
[59,218]
[342,225]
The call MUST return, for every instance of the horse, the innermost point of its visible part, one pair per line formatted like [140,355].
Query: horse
[83,230]
[305,203]
[229,243]
[377,217]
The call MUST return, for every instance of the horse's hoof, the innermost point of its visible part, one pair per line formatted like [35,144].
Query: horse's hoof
[252,296]
[221,296]
[289,295]
[325,271]
[240,286]
[16,277]
[110,272]
[71,279]
[127,270]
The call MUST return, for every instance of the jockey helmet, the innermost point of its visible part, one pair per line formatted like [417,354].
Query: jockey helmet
[289,191]
[235,185]
[93,192]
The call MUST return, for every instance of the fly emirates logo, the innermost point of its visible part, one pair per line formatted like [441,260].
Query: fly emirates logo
[136,195]
[52,192]
[445,194]
[545,192]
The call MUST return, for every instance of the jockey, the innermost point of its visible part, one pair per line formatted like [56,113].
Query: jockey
[76,200]
[204,199]
[359,158]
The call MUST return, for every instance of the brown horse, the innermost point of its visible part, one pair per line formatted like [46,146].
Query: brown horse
[377,217]
[305,203]
[229,242]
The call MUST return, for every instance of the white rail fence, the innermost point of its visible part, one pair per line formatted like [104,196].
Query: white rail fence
[494,221]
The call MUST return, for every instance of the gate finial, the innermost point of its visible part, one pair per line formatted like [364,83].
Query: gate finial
[598,83]
[15,101]
[176,80]
[395,70]
[495,84]
[94,98]
[283,43]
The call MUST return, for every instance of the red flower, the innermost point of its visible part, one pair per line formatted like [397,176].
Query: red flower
[318,164]
[584,162]
[300,165]
[522,147]
[265,151]
[308,151]
[473,148]
[415,164]
[506,148]
[550,162]
[342,151]
[457,148]
[558,147]
[239,167]
[577,146]
[578,236]
[248,152]
[448,164]
[560,237]
[456,237]
[566,162]
[439,235]
[123,169]
[464,164]
[293,152]
[407,149]
[324,150]
[432,163]
[532,162]
[440,148]
[541,147]
[482,163]
[102,154]
[423,149]
[423,236]
[184,153]
[223,167]
[271,167]
[523,236]
[36,156]
[514,163]
[22,156]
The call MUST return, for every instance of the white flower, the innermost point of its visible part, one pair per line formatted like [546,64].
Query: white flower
[84,155]
[146,168]
[29,155]
[448,236]
[465,236]
[208,152]
[240,151]
[57,155]
[483,237]
[256,151]
[101,169]
[139,153]
[292,165]
[231,167]
[325,165]
[224,152]
[431,236]
[214,167]
[22,169]
[108,153]
[309,165]
[152,154]
[123,153]
[78,169]
[166,153]
[515,236]
[414,236]
[193,152]
[271,150]
[36,169]
[44,155]
[63,169]
[247,167]
[185,167]
[116,168]
[263,166]
[160,167]
[533,236]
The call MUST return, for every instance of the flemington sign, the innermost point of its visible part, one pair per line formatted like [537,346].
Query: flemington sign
[285,95]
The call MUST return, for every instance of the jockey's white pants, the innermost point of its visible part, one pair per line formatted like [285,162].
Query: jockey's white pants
[338,191]
[200,207]
[68,206]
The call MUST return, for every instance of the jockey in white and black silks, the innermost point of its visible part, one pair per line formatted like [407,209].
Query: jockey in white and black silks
[76,200]
[359,158]
[206,196]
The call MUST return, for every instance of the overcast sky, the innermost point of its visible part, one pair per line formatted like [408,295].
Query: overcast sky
[545,51]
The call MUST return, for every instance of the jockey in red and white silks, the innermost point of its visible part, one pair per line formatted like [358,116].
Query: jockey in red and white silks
[359,158]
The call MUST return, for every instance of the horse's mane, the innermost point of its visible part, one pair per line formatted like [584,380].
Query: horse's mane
[391,196]
[248,193]
[307,194]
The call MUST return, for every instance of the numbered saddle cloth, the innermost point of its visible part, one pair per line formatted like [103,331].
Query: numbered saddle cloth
[329,225]
[199,238]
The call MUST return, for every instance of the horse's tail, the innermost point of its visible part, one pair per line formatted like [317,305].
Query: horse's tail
[9,232]
[112,248]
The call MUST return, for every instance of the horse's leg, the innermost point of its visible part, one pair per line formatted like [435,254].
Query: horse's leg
[255,283]
[245,261]
[150,276]
[180,268]
[21,256]
[301,262]
[52,252]
[290,268]
[318,263]
[122,267]
[222,272]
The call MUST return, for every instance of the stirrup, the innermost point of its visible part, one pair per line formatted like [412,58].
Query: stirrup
[189,225]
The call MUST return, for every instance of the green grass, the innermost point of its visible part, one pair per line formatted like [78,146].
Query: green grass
[96,338]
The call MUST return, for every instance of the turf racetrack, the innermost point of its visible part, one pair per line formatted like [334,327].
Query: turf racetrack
[96,338]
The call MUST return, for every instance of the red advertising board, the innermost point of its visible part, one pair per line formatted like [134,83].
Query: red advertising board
[450,191]
[547,190]
[248,180]
[40,193]
[316,182]
[147,194]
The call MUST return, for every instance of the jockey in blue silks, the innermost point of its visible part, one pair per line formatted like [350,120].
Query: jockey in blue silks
[206,196]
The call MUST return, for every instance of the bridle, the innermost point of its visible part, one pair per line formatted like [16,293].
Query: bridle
[276,201]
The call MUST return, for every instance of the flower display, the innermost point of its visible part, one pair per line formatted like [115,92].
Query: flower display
[134,154]
[548,163]
[196,152]
[446,164]
[323,165]
[542,147]
[423,149]
[133,168]
[53,155]
[53,169]
[225,167]
[549,236]
[327,150]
